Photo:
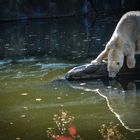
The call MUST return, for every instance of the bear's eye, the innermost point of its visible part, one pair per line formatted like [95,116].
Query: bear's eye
[118,63]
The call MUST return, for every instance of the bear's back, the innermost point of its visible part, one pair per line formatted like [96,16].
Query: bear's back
[129,25]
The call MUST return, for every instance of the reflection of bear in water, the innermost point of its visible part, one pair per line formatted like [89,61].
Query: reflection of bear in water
[125,41]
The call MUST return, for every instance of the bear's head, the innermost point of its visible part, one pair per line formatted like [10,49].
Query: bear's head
[115,61]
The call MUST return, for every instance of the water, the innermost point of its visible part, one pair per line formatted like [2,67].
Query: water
[35,55]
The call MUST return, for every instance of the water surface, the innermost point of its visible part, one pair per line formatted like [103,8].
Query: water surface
[35,55]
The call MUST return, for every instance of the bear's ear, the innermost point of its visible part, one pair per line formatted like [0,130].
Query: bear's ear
[131,62]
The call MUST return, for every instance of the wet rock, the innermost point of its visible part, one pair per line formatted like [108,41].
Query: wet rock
[90,71]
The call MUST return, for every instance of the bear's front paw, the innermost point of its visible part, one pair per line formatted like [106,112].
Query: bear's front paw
[131,63]
[95,62]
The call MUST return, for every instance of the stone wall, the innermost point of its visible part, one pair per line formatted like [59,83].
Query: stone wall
[22,9]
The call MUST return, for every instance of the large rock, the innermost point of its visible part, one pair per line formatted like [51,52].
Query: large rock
[100,71]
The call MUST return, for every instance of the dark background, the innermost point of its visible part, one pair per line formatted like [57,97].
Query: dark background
[82,35]
[24,9]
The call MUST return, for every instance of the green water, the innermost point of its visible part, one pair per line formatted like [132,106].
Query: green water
[32,92]
[34,57]
[31,95]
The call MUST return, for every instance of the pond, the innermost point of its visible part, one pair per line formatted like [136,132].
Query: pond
[34,57]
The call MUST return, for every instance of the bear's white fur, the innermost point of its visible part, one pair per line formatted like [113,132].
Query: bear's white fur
[125,41]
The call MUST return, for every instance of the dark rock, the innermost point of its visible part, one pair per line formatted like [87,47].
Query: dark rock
[90,71]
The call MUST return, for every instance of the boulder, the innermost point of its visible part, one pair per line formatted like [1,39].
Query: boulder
[90,71]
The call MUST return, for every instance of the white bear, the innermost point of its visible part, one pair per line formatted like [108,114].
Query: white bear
[125,41]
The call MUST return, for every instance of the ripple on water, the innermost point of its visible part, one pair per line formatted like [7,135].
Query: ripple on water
[38,99]
[25,107]
[59,98]
[3,62]
[54,65]
[23,116]
[24,94]
[27,60]
[11,123]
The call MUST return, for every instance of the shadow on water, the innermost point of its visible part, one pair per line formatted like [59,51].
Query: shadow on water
[122,99]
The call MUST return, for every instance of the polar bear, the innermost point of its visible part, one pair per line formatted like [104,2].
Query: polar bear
[125,41]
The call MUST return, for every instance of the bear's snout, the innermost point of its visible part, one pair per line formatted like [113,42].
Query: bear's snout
[112,74]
